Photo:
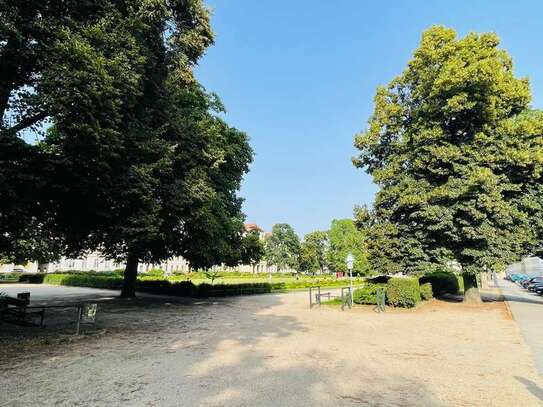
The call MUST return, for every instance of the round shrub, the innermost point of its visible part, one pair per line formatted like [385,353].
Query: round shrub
[378,279]
[403,292]
[426,291]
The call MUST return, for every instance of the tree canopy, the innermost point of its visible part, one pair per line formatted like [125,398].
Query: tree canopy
[137,162]
[458,159]
[345,238]
[282,247]
[313,252]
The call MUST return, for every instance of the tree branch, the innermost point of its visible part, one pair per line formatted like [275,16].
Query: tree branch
[27,122]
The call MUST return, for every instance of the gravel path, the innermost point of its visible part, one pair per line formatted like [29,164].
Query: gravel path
[271,350]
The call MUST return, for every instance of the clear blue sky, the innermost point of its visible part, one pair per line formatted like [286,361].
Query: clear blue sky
[299,77]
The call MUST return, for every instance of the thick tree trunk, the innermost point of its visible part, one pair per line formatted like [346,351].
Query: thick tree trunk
[130,275]
[471,290]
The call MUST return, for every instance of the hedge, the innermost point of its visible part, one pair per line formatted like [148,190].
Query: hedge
[163,287]
[442,282]
[403,292]
[378,279]
[32,278]
[367,294]
[426,292]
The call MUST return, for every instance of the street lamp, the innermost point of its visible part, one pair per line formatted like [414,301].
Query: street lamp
[350,261]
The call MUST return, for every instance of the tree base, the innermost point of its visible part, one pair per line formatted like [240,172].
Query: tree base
[472,296]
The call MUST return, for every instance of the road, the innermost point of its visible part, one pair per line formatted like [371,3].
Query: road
[527,310]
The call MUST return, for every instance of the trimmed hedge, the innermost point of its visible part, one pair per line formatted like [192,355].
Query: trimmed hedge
[367,294]
[32,278]
[426,292]
[84,280]
[378,279]
[442,282]
[163,287]
[403,292]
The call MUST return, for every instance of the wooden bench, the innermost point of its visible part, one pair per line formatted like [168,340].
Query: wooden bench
[17,311]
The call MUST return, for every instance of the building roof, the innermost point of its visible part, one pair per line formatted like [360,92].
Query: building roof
[252,226]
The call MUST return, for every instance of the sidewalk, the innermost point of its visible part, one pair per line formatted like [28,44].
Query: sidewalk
[527,310]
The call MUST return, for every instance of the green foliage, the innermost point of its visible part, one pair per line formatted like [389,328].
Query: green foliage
[155,272]
[180,285]
[137,162]
[367,294]
[252,248]
[212,274]
[313,252]
[378,279]
[9,276]
[403,292]
[442,282]
[31,278]
[163,287]
[282,247]
[426,292]
[457,156]
[460,281]
[344,238]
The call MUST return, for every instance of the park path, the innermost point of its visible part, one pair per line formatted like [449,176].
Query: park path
[527,310]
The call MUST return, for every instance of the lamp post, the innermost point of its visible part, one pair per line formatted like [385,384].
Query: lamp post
[350,260]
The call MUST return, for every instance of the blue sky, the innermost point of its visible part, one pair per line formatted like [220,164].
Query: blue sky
[299,77]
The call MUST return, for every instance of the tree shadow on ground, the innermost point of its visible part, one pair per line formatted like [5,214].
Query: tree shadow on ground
[531,387]
[237,351]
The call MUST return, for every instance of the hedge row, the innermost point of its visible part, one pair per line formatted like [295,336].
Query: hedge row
[400,292]
[163,287]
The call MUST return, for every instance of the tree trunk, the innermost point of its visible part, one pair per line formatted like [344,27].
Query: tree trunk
[130,275]
[471,290]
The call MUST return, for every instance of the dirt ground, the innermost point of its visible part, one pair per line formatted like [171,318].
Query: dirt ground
[271,350]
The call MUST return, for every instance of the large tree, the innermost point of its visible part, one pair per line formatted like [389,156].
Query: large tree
[282,247]
[345,238]
[144,168]
[313,252]
[456,155]
[252,249]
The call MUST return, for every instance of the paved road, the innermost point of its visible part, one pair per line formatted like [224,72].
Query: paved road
[527,309]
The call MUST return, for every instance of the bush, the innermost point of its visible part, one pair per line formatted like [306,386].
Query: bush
[84,280]
[403,292]
[442,282]
[367,294]
[378,279]
[31,278]
[10,276]
[155,272]
[426,292]
[160,286]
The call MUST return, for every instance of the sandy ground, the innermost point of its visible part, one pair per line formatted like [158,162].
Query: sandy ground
[271,350]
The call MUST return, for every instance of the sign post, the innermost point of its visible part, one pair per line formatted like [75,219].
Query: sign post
[350,262]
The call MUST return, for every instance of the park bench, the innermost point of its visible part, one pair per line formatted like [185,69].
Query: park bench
[18,311]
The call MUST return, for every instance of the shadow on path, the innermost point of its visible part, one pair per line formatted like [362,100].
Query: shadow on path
[531,387]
